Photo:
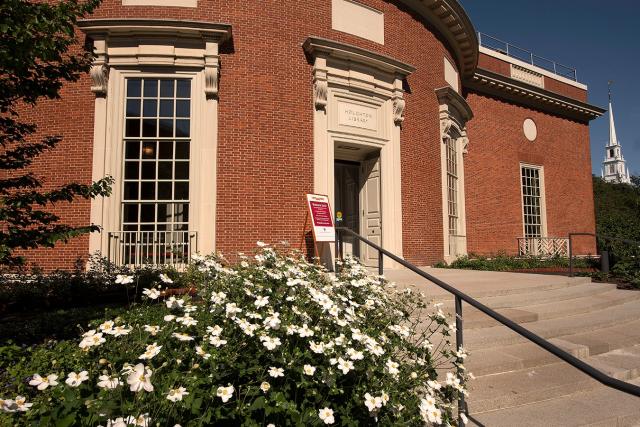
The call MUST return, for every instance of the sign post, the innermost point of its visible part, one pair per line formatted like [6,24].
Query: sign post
[319,209]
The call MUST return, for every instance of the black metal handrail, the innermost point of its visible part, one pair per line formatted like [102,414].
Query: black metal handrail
[461,296]
[596,235]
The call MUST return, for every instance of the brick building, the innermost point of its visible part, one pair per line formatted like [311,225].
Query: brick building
[216,118]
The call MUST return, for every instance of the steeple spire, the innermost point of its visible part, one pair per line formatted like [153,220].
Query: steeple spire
[614,167]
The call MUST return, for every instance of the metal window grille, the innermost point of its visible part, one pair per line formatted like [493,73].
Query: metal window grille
[452,185]
[155,202]
[531,201]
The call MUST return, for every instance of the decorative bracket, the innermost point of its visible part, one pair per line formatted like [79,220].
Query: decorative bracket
[99,71]
[320,84]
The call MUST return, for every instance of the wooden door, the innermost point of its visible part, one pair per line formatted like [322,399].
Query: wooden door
[371,202]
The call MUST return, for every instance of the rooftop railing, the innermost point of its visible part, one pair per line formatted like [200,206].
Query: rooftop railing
[527,56]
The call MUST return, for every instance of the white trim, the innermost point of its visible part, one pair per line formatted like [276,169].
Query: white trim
[175,3]
[543,197]
[546,73]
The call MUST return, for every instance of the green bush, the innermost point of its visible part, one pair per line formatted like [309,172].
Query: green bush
[502,262]
[273,340]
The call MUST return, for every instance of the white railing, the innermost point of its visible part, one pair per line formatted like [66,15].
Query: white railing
[543,246]
[516,52]
[152,248]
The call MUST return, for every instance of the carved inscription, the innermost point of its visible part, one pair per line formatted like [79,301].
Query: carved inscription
[357,116]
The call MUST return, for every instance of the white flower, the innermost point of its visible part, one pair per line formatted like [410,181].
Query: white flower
[261,301]
[345,365]
[464,418]
[153,330]
[308,370]
[261,244]
[200,352]
[276,372]
[244,264]
[74,380]
[108,382]
[42,383]
[434,415]
[225,393]
[173,302]
[91,339]
[151,351]
[176,394]
[124,279]
[265,386]
[215,330]
[152,293]
[392,367]
[316,347]
[141,420]
[119,331]
[169,317]
[117,422]
[384,397]
[165,278]
[273,321]
[216,341]
[182,336]
[372,403]
[326,415]
[434,385]
[187,320]
[218,297]
[305,331]
[232,309]
[21,404]
[106,326]
[354,355]
[140,379]
[270,342]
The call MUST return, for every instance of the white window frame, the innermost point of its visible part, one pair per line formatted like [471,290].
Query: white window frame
[543,204]
[134,48]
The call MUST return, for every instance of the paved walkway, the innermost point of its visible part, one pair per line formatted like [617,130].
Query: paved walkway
[518,383]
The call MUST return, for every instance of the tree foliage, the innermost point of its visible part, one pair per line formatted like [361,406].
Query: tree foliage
[37,56]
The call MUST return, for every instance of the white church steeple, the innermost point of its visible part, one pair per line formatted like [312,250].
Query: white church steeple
[614,167]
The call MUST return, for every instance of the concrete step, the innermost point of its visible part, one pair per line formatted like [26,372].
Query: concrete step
[475,319]
[551,328]
[531,385]
[597,407]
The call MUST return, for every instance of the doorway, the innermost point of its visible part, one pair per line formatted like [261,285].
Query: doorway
[358,202]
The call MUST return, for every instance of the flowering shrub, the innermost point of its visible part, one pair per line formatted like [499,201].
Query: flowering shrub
[272,341]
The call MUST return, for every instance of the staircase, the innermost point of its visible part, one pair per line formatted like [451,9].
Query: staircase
[519,384]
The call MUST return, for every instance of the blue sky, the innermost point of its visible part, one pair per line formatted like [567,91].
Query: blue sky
[601,39]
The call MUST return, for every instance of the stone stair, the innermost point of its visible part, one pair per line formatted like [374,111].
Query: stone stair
[518,383]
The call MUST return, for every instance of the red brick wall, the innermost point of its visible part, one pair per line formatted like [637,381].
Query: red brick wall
[502,67]
[492,175]
[265,142]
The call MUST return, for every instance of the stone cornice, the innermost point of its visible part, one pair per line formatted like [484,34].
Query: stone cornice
[453,23]
[447,95]
[315,45]
[156,27]
[503,87]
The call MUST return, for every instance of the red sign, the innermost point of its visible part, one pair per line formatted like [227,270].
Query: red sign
[322,220]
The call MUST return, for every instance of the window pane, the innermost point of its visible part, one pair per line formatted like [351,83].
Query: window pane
[132,128]
[147,213]
[166,128]
[166,107]
[148,190]
[151,88]
[132,150]
[182,128]
[183,89]
[182,149]
[165,170]
[181,191]
[183,108]
[149,128]
[148,170]
[130,213]
[150,108]
[149,150]
[182,170]
[131,170]
[166,150]
[133,87]
[131,191]
[164,191]
[133,108]
[166,88]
